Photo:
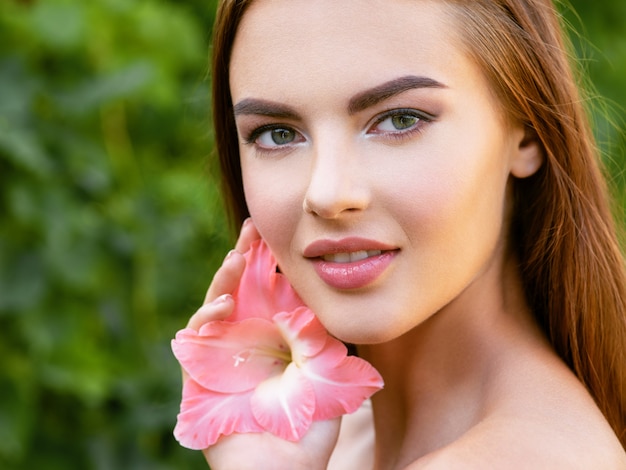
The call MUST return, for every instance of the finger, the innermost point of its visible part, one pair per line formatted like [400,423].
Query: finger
[248,234]
[265,451]
[227,277]
[218,309]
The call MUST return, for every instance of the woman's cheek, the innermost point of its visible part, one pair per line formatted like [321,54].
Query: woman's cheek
[275,210]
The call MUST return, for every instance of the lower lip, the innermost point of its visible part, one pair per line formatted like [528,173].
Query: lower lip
[353,275]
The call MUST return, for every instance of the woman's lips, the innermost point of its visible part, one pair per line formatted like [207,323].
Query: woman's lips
[350,257]
[350,263]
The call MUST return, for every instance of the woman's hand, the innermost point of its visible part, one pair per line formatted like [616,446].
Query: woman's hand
[265,451]
[257,450]
[218,303]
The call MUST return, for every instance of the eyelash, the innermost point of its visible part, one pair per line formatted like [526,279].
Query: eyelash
[252,137]
[422,118]
[401,134]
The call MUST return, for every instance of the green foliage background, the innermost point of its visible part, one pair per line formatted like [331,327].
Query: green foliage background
[111,224]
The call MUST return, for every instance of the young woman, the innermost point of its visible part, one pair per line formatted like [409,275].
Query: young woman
[424,174]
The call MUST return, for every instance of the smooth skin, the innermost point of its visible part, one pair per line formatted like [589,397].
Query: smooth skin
[335,144]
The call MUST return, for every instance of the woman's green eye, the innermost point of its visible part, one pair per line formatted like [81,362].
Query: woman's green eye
[397,121]
[276,137]
[282,136]
[403,121]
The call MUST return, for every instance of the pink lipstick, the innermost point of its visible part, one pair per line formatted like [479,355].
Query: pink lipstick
[350,263]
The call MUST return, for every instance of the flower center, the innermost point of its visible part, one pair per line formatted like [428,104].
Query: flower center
[281,354]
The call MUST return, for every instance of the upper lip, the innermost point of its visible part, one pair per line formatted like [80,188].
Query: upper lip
[345,245]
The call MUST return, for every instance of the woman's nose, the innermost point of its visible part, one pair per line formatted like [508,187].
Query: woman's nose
[337,184]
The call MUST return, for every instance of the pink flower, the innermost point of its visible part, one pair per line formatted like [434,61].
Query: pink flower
[271,366]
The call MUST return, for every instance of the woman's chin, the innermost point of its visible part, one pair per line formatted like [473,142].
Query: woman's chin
[362,332]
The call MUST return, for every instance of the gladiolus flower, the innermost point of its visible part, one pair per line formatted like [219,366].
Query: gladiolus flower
[271,366]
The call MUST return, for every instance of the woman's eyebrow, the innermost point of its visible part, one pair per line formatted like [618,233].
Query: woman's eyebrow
[359,102]
[375,95]
[264,108]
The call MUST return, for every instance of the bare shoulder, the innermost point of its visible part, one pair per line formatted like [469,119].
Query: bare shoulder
[519,444]
[547,421]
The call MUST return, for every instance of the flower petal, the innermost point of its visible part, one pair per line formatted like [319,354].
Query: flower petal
[232,357]
[284,405]
[262,291]
[205,416]
[304,333]
[341,382]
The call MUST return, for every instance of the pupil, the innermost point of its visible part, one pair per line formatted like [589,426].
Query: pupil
[403,121]
[282,136]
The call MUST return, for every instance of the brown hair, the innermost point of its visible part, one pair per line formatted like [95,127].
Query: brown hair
[572,268]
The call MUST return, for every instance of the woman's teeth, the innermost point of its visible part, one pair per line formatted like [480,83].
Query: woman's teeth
[351,257]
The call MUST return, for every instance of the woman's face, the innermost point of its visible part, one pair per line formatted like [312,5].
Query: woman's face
[375,159]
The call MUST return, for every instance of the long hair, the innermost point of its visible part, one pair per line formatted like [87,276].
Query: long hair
[572,269]
[228,17]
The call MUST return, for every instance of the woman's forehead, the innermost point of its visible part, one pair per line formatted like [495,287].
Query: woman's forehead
[284,43]
[329,25]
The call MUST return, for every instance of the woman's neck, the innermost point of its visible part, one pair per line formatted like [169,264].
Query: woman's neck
[439,377]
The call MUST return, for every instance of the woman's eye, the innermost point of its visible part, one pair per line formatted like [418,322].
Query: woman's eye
[276,137]
[273,138]
[397,122]
[400,122]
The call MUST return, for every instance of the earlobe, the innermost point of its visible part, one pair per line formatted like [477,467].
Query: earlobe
[529,156]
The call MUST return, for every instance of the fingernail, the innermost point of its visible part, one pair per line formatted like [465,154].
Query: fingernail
[230,254]
[222,298]
[247,222]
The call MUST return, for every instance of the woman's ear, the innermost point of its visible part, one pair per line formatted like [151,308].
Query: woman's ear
[529,156]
